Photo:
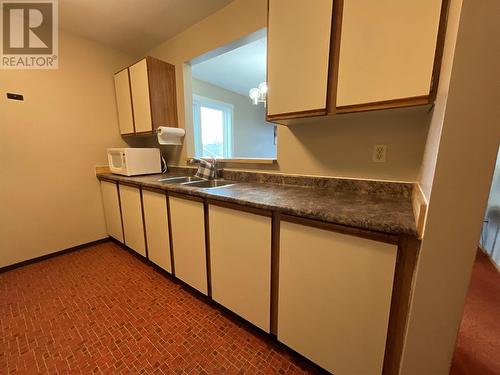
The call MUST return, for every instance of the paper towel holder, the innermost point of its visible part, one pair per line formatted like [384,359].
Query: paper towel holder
[169,135]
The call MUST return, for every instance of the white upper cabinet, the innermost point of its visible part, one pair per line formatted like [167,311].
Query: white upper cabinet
[327,57]
[124,102]
[298,55]
[139,85]
[146,96]
[387,50]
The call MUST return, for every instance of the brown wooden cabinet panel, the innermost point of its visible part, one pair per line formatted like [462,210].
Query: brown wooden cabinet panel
[162,93]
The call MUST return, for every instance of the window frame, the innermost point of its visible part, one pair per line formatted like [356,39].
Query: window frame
[227,127]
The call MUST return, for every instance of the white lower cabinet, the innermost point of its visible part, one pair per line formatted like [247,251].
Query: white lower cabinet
[112,215]
[156,223]
[133,228]
[334,290]
[334,298]
[188,242]
[240,259]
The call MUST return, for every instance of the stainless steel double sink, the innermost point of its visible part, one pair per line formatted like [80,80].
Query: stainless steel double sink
[196,182]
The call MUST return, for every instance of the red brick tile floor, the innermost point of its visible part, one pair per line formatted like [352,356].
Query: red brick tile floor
[478,344]
[102,310]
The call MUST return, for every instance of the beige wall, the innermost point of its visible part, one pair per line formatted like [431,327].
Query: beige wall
[466,154]
[253,137]
[343,146]
[49,144]
[339,147]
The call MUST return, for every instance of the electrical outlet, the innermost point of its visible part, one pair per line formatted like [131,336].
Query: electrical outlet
[379,153]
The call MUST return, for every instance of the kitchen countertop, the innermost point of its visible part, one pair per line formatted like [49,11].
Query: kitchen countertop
[380,213]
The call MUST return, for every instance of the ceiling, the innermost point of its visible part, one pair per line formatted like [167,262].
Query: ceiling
[133,26]
[237,70]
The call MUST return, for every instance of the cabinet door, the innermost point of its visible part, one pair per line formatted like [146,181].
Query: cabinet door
[123,102]
[156,223]
[130,198]
[111,203]
[188,242]
[334,298]
[298,55]
[240,257]
[387,50]
[139,84]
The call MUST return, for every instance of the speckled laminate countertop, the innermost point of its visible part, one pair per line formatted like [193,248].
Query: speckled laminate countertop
[391,214]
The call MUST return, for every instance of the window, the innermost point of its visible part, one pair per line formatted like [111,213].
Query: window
[213,121]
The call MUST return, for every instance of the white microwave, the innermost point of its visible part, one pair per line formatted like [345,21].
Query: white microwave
[134,161]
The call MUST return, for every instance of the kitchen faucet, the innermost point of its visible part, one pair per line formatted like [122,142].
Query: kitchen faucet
[213,162]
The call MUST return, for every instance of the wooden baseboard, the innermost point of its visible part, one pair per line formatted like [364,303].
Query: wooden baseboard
[52,255]
[419,203]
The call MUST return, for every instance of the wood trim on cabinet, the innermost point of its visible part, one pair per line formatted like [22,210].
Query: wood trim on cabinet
[144,224]
[107,179]
[239,207]
[148,132]
[333,64]
[275,263]
[170,240]
[438,55]
[120,205]
[294,115]
[153,189]
[186,196]
[408,249]
[131,100]
[149,75]
[207,248]
[351,231]
[386,104]
[102,169]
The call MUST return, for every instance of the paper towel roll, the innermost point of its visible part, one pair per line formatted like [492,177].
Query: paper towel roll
[170,136]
